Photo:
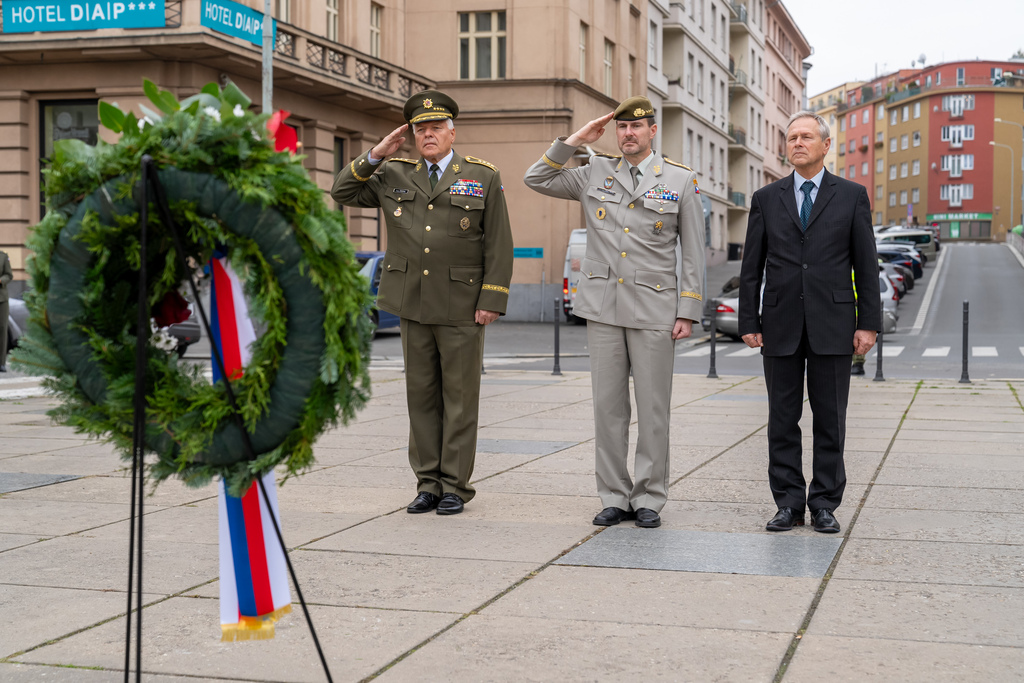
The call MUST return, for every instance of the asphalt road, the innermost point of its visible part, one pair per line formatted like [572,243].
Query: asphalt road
[926,346]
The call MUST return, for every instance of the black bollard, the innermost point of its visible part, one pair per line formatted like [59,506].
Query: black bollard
[557,370]
[878,366]
[964,377]
[712,374]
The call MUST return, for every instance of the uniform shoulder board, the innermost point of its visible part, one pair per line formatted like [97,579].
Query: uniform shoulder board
[475,160]
[408,161]
[676,163]
[607,156]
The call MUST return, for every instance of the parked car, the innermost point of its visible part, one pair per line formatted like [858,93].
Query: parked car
[372,263]
[890,303]
[895,277]
[726,307]
[894,256]
[574,254]
[924,239]
[907,247]
[186,332]
[17,322]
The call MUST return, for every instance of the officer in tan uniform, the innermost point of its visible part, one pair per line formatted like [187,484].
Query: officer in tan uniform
[446,275]
[635,296]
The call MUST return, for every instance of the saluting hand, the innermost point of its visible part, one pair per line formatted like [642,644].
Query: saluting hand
[591,132]
[390,144]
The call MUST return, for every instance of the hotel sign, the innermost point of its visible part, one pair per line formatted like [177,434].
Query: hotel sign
[45,16]
[234,19]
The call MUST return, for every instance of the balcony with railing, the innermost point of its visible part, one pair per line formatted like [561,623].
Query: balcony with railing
[739,13]
[972,83]
[739,199]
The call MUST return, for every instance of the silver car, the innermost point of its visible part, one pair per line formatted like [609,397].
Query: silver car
[890,303]
[17,322]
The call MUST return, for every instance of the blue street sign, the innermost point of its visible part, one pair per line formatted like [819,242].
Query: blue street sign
[27,16]
[528,252]
[235,20]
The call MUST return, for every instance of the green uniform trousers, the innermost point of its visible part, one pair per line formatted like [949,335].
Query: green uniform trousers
[442,383]
[4,311]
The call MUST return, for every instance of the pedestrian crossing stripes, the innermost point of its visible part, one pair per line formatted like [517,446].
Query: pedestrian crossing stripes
[984,351]
[936,352]
[889,351]
[746,351]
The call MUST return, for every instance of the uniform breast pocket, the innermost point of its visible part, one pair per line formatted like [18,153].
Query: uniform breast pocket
[660,220]
[467,216]
[599,204]
[397,205]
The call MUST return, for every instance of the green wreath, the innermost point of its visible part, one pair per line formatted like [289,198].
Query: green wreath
[226,185]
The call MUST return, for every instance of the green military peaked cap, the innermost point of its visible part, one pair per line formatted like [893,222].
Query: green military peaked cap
[633,109]
[430,105]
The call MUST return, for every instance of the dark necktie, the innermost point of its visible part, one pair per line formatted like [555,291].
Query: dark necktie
[434,169]
[805,208]
[635,172]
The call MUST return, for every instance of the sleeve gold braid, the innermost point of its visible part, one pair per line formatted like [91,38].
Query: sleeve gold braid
[691,295]
[357,176]
[496,288]
[552,164]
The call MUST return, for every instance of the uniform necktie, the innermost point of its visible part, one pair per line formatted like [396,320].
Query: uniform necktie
[805,208]
[635,172]
[434,168]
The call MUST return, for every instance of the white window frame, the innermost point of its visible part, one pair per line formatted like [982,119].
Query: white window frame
[893,116]
[892,199]
[864,169]
[609,67]
[853,172]
[879,192]
[915,167]
[906,112]
[892,172]
[903,197]
[652,44]
[880,165]
[916,140]
[866,116]
[915,196]
[917,110]
[584,35]
[376,19]
[904,141]
[904,169]
[892,144]
[498,38]
[331,12]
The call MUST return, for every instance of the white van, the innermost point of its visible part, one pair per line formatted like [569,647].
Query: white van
[924,239]
[574,254]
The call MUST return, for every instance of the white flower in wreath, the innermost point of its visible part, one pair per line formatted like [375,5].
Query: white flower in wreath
[161,338]
[143,121]
[212,113]
[238,112]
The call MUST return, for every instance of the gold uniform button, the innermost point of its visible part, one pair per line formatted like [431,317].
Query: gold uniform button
[426,250]
[657,286]
[470,280]
[631,206]
[426,272]
[620,280]
[623,254]
[625,229]
[602,197]
[428,228]
[661,210]
[430,207]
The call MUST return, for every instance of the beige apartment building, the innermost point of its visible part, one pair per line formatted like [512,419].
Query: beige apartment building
[827,104]
[787,48]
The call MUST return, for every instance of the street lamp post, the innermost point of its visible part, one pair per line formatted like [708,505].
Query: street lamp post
[1021,126]
[1013,186]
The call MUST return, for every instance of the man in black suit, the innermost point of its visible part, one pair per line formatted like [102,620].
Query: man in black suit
[805,234]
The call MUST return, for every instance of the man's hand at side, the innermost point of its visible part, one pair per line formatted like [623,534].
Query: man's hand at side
[682,329]
[863,340]
[753,340]
[486,317]
[591,132]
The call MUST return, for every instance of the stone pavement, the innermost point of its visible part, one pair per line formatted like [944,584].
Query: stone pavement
[926,582]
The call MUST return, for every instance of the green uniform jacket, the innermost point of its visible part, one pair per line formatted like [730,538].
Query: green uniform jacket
[6,275]
[449,249]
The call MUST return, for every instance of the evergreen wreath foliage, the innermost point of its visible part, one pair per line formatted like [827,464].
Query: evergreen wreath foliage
[226,185]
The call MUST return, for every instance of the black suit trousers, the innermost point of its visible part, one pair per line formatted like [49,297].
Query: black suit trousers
[828,390]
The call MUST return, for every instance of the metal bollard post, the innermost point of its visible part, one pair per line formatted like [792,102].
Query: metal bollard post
[557,370]
[712,374]
[964,378]
[878,366]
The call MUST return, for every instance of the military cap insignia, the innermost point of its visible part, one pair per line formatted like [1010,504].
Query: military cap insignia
[428,103]
[638,112]
[464,223]
[601,213]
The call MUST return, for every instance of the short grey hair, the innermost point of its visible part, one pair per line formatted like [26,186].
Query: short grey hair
[808,114]
[451,125]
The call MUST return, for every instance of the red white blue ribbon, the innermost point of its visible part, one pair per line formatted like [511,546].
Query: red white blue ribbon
[253,572]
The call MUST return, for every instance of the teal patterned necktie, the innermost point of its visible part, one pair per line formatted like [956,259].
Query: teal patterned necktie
[805,208]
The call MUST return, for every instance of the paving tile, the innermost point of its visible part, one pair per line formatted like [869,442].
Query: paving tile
[497,648]
[12,672]
[703,551]
[182,636]
[19,481]
[942,525]
[972,564]
[944,498]
[734,601]
[31,621]
[35,516]
[8,541]
[833,658]
[927,612]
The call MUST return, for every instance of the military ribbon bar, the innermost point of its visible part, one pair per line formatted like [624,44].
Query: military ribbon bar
[468,188]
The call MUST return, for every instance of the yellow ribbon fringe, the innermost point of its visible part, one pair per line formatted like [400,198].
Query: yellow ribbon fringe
[253,628]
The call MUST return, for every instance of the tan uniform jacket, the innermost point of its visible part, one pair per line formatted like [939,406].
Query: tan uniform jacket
[629,273]
[449,249]
[6,275]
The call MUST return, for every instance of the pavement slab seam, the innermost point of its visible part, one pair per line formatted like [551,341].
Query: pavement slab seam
[148,674]
[798,636]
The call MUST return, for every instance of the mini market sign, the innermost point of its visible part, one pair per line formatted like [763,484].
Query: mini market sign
[45,16]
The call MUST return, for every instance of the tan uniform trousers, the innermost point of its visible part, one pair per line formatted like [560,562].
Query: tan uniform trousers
[650,354]
[442,381]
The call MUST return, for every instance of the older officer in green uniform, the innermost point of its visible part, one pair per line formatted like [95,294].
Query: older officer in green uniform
[446,275]
[636,295]
[6,275]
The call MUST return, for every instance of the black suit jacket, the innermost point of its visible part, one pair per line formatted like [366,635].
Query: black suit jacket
[807,275]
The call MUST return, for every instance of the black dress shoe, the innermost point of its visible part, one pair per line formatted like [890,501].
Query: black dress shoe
[424,502]
[785,519]
[857,369]
[3,368]
[647,518]
[612,516]
[824,521]
[450,504]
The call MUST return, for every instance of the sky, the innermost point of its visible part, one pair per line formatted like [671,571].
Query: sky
[851,40]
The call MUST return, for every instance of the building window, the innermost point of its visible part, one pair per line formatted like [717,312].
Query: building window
[906,112]
[915,195]
[892,172]
[283,11]
[339,161]
[700,154]
[842,173]
[904,141]
[714,25]
[853,120]
[968,191]
[332,20]
[892,117]
[915,167]
[842,124]
[853,172]
[892,144]
[852,146]
[879,115]
[67,120]
[866,116]
[652,45]
[928,81]
[583,52]
[376,11]
[864,168]
[904,169]
[960,80]
[880,137]
[481,45]
[879,192]
[917,138]
[892,199]
[609,61]
[903,197]
[880,166]
[632,71]
[917,110]
[700,81]
[863,140]
[689,73]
